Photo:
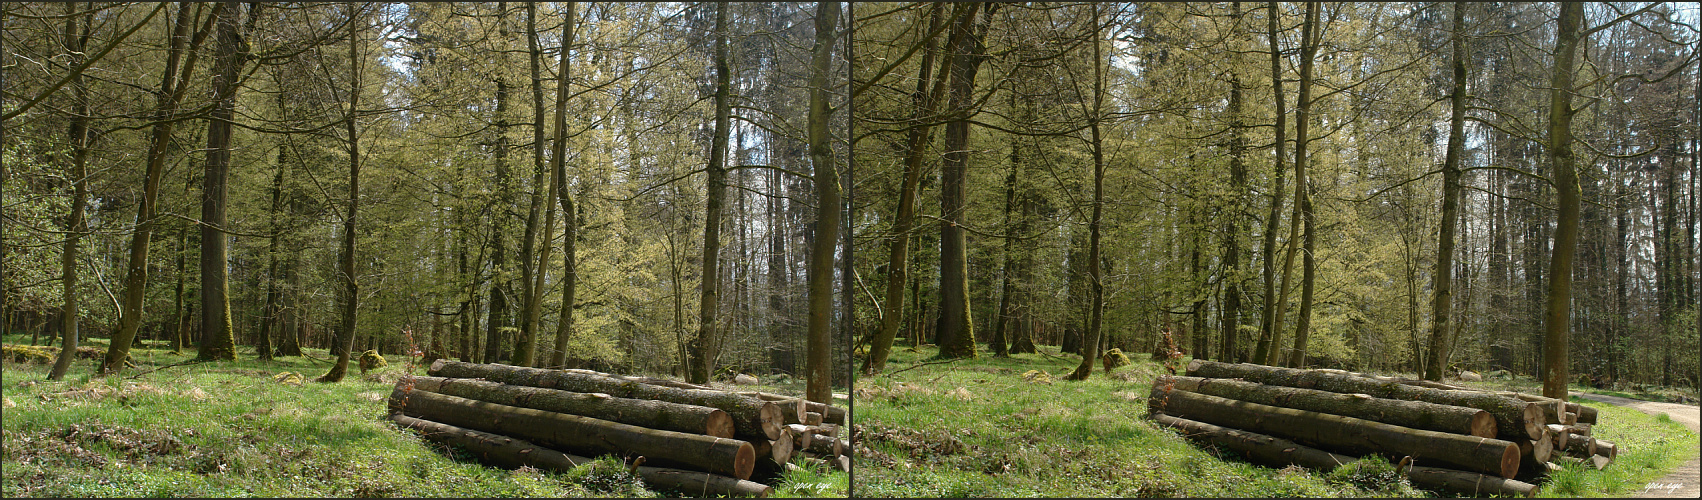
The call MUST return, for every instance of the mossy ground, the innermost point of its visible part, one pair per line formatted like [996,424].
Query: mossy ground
[978,427]
[234,429]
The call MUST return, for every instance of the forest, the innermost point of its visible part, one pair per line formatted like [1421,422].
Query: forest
[628,187]
[1401,187]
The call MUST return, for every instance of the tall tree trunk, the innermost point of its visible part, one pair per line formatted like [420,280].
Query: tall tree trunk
[1270,329]
[819,387]
[705,346]
[1441,334]
[1095,277]
[917,138]
[1230,323]
[1002,319]
[497,324]
[558,185]
[1302,188]
[956,329]
[77,223]
[269,313]
[1555,366]
[532,263]
[215,263]
[348,298]
[165,107]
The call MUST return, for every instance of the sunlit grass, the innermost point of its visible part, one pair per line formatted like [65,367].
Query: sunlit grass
[240,433]
[978,428]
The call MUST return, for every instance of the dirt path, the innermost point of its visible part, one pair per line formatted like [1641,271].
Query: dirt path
[1684,482]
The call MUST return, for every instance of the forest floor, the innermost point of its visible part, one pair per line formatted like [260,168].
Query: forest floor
[232,429]
[977,427]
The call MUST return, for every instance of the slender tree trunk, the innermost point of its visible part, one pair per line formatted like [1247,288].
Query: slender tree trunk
[1270,330]
[1230,323]
[1556,324]
[497,324]
[165,106]
[956,329]
[705,346]
[1095,278]
[269,314]
[532,263]
[558,185]
[215,263]
[349,297]
[542,176]
[1302,189]
[1003,318]
[819,387]
[1441,334]
[77,223]
[898,261]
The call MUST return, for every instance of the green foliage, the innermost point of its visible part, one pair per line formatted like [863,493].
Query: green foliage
[371,360]
[1372,472]
[607,474]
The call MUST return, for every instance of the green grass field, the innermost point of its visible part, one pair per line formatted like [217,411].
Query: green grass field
[230,429]
[978,428]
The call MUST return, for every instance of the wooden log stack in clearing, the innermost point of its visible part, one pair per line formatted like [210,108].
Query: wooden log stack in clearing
[1447,438]
[692,438]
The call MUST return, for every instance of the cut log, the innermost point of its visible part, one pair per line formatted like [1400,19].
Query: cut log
[1466,483]
[826,445]
[780,450]
[1512,416]
[576,434]
[654,414]
[1552,410]
[1580,428]
[1343,434]
[1534,451]
[505,451]
[1414,414]
[752,418]
[1586,414]
[1607,449]
[1557,433]
[812,418]
[830,413]
[1257,448]
[1568,418]
[1580,446]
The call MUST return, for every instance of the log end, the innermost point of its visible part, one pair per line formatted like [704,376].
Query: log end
[437,366]
[1194,365]
[1510,461]
[781,449]
[1483,425]
[718,424]
[1534,419]
[772,419]
[744,461]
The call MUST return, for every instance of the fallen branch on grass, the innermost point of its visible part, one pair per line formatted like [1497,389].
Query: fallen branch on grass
[180,363]
[919,365]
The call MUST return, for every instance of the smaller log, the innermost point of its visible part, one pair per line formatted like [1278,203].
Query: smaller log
[1607,449]
[1580,428]
[1535,451]
[1599,462]
[1568,418]
[779,450]
[1586,414]
[1552,410]
[812,418]
[1558,434]
[1580,446]
[1257,448]
[1468,483]
[826,445]
[1414,414]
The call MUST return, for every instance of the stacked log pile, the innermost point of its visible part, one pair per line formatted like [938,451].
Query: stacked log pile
[1446,437]
[692,438]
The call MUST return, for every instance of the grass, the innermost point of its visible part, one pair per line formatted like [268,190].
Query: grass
[230,429]
[980,428]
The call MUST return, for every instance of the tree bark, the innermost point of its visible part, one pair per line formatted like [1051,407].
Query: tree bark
[661,415]
[752,418]
[1467,483]
[1270,329]
[1513,417]
[956,328]
[348,298]
[1442,306]
[172,85]
[1310,33]
[1095,275]
[77,223]
[1345,434]
[705,347]
[575,433]
[510,452]
[916,142]
[570,218]
[819,386]
[1414,414]
[1258,448]
[1557,313]
[1230,315]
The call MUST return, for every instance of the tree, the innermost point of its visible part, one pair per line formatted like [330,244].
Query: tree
[76,224]
[570,273]
[1302,189]
[348,296]
[231,53]
[819,387]
[705,346]
[1095,276]
[956,330]
[1442,306]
